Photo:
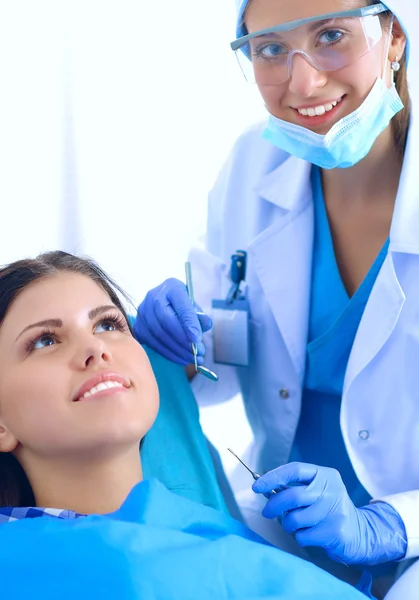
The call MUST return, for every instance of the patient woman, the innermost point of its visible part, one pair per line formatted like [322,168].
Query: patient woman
[77,396]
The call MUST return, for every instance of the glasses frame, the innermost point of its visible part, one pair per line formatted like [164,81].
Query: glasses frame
[365,11]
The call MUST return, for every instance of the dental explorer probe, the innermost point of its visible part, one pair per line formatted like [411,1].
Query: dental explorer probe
[255,475]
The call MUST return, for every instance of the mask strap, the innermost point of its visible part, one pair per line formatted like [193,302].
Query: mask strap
[390,36]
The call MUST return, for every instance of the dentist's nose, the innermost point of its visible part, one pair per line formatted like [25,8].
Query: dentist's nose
[305,79]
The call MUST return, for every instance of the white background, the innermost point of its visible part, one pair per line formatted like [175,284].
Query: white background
[115,119]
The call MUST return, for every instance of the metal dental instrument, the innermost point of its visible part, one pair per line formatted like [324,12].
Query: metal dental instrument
[198,368]
[255,475]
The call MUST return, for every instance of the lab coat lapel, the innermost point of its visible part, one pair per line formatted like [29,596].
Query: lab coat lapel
[387,297]
[405,224]
[282,254]
[378,321]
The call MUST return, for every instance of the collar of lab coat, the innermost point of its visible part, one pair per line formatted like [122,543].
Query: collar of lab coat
[287,186]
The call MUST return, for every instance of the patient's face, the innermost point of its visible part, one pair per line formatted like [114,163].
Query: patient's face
[44,371]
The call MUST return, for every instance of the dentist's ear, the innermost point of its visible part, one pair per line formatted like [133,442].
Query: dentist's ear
[8,441]
[398,42]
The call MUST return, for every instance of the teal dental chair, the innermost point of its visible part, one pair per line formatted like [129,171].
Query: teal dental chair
[175,450]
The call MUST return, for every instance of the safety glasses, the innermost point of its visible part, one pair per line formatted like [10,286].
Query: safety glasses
[328,42]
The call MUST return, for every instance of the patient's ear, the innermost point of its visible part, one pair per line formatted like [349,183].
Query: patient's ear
[8,441]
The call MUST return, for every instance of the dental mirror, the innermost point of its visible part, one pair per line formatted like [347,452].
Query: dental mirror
[198,368]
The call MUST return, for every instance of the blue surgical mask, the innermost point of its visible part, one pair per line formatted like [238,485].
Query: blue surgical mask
[351,138]
[348,141]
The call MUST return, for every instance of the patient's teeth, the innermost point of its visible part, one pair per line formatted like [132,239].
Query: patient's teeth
[106,385]
[101,386]
[320,110]
[311,112]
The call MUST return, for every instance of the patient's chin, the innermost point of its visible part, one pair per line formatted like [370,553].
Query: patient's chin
[122,418]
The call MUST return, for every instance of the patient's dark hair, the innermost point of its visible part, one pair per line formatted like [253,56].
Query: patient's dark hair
[15,489]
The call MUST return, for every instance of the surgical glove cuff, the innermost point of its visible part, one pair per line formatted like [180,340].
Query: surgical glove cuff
[385,533]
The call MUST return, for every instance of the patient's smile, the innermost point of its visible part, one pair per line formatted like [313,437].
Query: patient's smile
[102,387]
[104,383]
[92,360]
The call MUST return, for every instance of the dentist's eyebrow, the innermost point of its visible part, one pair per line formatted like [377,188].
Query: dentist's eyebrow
[318,24]
[58,322]
[311,28]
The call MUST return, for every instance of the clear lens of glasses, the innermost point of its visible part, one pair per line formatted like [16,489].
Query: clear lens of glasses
[327,45]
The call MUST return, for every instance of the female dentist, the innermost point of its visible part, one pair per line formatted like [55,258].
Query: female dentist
[325,202]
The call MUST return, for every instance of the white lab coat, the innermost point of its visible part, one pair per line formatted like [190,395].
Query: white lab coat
[262,203]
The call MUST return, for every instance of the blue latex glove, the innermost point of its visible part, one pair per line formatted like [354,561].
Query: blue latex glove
[318,510]
[168,322]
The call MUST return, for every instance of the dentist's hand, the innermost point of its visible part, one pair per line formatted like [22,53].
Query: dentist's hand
[168,322]
[319,512]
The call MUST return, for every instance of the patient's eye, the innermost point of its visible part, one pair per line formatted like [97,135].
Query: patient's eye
[111,323]
[45,339]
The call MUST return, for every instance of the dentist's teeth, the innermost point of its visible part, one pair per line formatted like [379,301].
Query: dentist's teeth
[318,111]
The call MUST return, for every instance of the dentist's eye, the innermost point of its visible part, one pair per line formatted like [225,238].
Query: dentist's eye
[111,323]
[331,36]
[269,51]
[47,338]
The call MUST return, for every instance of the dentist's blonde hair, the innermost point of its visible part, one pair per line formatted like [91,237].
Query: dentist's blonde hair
[401,121]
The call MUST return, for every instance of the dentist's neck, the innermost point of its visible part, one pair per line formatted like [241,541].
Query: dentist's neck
[375,178]
[98,485]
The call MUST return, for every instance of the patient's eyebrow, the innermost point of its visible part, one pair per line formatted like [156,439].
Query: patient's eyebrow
[101,309]
[44,323]
[59,323]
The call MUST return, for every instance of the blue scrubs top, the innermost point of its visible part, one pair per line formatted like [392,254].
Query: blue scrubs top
[333,323]
[334,320]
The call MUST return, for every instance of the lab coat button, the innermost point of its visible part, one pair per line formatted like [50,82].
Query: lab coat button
[364,435]
[284,394]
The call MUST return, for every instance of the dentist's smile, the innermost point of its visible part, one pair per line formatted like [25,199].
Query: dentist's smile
[318,114]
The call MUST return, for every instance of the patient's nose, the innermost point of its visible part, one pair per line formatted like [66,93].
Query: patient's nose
[92,351]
